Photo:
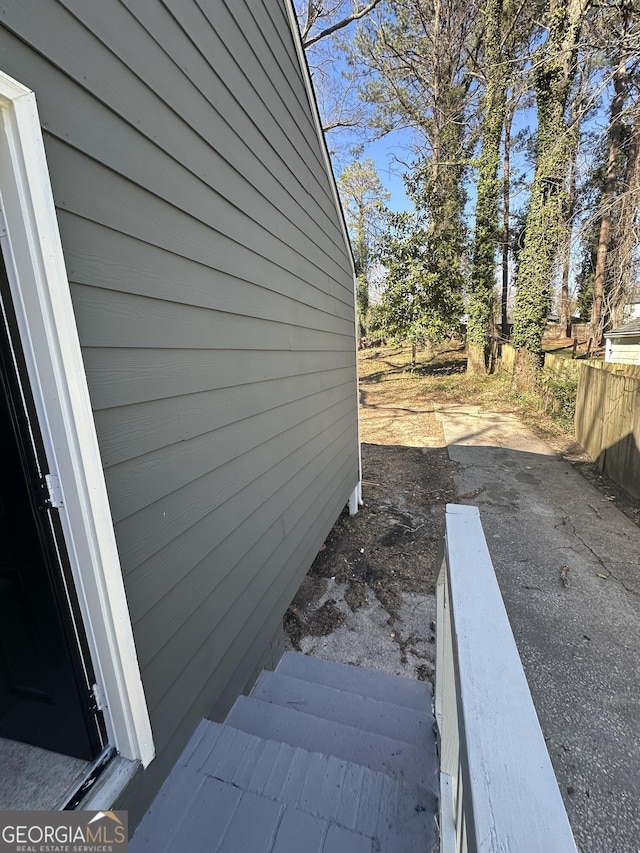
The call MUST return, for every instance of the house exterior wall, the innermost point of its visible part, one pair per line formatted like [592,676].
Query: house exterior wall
[624,350]
[213,293]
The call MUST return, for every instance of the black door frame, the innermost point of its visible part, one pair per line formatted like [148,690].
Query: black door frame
[15,384]
[39,285]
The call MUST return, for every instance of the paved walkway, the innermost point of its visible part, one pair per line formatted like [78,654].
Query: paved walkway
[579,640]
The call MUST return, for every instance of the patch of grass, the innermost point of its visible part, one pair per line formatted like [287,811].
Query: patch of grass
[558,392]
[443,374]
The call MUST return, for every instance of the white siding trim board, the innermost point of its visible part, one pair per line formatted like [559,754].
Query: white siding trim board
[54,363]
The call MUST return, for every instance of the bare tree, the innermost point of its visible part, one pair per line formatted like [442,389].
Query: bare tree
[336,83]
[318,20]
[621,78]
[625,237]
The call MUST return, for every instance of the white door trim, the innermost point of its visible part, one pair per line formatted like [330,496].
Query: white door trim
[49,337]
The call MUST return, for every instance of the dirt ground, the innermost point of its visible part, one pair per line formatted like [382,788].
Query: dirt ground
[380,565]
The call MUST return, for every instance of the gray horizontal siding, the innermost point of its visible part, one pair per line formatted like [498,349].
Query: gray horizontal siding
[214,300]
[151,425]
[125,376]
[278,577]
[164,473]
[157,524]
[97,193]
[156,577]
[221,581]
[189,164]
[146,270]
[154,323]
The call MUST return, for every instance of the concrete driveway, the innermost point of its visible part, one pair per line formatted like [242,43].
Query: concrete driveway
[568,565]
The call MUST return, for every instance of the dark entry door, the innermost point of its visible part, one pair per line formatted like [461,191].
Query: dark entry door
[44,680]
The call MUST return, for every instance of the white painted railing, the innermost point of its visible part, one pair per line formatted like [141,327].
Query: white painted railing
[498,791]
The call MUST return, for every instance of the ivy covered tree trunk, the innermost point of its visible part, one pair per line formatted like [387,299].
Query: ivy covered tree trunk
[565,309]
[625,236]
[481,296]
[598,317]
[506,229]
[545,230]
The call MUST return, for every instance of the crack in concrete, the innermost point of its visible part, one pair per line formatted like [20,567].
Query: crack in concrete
[595,509]
[605,568]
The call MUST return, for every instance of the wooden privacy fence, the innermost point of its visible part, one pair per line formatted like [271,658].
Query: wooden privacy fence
[607,422]
[498,791]
[559,365]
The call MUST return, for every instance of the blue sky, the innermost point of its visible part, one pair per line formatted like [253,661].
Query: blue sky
[382,153]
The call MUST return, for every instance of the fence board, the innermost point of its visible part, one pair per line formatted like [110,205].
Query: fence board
[607,420]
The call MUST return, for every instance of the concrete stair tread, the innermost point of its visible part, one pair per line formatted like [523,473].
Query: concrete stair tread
[233,791]
[371,684]
[398,759]
[321,785]
[372,715]
[219,817]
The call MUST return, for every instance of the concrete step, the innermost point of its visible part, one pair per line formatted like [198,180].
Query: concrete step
[371,684]
[232,791]
[371,715]
[321,785]
[402,761]
[213,815]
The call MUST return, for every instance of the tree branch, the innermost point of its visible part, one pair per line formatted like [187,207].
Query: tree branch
[339,25]
[311,18]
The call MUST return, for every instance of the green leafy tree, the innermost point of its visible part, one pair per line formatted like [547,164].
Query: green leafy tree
[418,55]
[422,297]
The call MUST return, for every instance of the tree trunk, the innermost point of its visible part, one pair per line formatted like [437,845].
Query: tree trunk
[565,312]
[476,358]
[545,233]
[625,238]
[481,297]
[506,232]
[598,316]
